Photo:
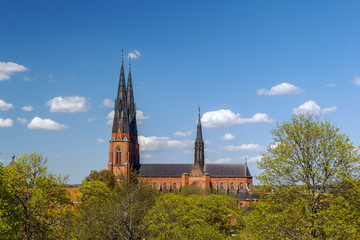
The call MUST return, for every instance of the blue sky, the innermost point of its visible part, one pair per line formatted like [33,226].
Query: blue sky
[249,64]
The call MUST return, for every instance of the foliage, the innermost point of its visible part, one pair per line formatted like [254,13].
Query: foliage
[39,199]
[303,169]
[193,217]
[104,175]
[117,213]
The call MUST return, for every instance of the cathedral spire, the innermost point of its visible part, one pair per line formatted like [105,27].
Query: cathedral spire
[120,112]
[131,107]
[199,145]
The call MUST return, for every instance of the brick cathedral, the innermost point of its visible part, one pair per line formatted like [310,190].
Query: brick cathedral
[124,156]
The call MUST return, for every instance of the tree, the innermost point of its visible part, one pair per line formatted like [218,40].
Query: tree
[117,213]
[104,175]
[193,217]
[39,198]
[308,159]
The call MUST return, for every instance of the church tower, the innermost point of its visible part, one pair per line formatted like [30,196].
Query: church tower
[124,147]
[199,145]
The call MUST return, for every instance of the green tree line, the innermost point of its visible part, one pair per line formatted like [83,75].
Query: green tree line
[310,190]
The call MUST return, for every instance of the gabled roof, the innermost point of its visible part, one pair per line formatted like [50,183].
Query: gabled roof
[227,170]
[163,170]
[175,170]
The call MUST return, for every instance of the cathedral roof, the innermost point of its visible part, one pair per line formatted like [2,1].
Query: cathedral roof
[175,170]
[164,170]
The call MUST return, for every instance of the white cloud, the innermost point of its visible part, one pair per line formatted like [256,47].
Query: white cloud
[255,159]
[45,124]
[110,117]
[243,147]
[68,104]
[329,109]
[140,117]
[27,79]
[222,160]
[225,118]
[183,134]
[108,103]
[135,54]
[6,122]
[22,120]
[146,156]
[154,143]
[27,108]
[281,89]
[228,137]
[91,119]
[356,81]
[252,159]
[9,68]
[100,140]
[4,106]
[331,85]
[312,107]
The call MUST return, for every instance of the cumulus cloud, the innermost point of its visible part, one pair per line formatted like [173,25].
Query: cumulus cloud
[281,89]
[228,137]
[183,134]
[356,81]
[331,85]
[243,147]
[91,119]
[4,106]
[140,117]
[154,143]
[45,124]
[100,140]
[27,108]
[312,107]
[135,54]
[68,104]
[225,118]
[110,117]
[108,103]
[6,122]
[22,120]
[9,68]
[253,159]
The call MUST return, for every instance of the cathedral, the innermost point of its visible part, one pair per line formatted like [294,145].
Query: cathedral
[124,156]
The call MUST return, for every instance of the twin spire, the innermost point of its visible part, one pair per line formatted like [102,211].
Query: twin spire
[125,107]
[199,145]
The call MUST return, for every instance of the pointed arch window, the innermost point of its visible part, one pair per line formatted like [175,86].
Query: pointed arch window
[118,156]
[164,186]
[232,186]
[241,186]
[174,185]
[221,186]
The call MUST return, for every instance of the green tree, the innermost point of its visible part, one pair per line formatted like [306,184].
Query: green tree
[193,217]
[104,175]
[117,213]
[308,159]
[39,198]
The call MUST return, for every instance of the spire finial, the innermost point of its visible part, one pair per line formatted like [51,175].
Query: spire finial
[129,63]
[122,55]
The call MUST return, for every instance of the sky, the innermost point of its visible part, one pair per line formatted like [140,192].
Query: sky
[249,65]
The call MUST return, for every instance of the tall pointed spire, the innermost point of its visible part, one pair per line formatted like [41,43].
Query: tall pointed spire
[120,113]
[199,145]
[131,105]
